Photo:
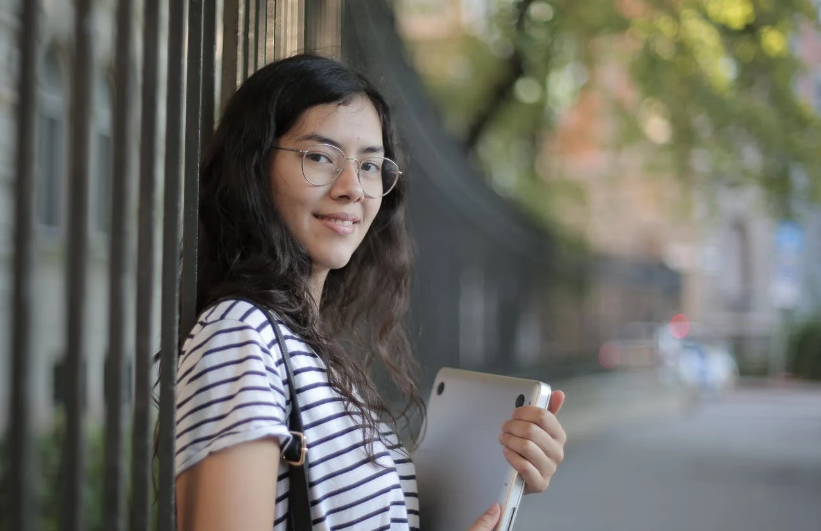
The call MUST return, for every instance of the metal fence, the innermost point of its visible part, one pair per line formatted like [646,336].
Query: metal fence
[249,34]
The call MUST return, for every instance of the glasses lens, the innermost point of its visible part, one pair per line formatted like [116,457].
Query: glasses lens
[378,175]
[321,164]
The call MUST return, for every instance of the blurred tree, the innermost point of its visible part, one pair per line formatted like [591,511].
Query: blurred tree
[710,83]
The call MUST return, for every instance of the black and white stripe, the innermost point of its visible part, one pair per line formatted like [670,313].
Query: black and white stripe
[232,388]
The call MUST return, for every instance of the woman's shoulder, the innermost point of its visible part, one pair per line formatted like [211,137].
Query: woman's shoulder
[232,312]
[236,313]
[242,310]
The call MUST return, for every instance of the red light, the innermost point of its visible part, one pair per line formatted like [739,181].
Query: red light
[609,356]
[679,326]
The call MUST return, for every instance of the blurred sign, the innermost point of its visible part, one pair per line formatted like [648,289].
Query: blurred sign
[786,282]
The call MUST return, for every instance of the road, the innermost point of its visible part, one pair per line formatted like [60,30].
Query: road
[750,461]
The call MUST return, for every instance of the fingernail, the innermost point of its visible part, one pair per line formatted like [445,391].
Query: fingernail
[494,509]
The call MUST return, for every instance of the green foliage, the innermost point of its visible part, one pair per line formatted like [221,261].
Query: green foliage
[804,353]
[49,478]
[711,84]
[724,75]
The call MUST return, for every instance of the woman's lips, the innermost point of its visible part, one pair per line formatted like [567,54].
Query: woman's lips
[343,224]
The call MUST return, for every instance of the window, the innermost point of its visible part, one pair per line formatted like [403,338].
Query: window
[737,271]
[51,155]
[58,389]
[49,178]
[102,158]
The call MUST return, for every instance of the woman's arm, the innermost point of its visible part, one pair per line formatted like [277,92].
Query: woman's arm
[231,489]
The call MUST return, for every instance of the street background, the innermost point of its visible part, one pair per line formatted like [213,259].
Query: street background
[746,461]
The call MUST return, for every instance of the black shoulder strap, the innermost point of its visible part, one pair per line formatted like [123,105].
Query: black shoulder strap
[295,452]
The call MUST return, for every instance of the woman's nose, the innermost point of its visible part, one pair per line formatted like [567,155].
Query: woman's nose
[347,185]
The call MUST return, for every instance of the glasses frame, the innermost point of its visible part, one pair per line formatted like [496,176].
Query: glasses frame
[357,166]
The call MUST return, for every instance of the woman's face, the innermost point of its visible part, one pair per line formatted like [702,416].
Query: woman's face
[330,221]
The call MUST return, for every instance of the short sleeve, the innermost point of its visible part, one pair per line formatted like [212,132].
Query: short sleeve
[229,391]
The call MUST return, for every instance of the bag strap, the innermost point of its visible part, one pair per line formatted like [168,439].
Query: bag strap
[294,453]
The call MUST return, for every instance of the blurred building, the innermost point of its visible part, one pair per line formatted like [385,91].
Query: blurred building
[55,74]
[723,241]
[735,263]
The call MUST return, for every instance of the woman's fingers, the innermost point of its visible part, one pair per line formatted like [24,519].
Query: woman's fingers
[487,521]
[536,479]
[556,401]
[531,442]
[542,418]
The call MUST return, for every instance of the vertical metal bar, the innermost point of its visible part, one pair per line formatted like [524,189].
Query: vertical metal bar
[298,23]
[323,37]
[262,36]
[246,39]
[334,13]
[253,38]
[193,111]
[22,466]
[280,28]
[115,399]
[311,35]
[141,468]
[79,166]
[270,30]
[254,51]
[230,44]
[209,50]
[170,265]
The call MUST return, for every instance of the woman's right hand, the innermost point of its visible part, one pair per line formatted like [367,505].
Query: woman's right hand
[487,521]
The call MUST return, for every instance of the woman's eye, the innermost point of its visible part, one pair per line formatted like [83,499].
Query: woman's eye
[370,167]
[320,158]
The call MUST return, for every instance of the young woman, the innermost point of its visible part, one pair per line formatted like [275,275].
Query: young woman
[302,212]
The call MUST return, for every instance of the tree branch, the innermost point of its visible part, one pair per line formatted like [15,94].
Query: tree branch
[504,86]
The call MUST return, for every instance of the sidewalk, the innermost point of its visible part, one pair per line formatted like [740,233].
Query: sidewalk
[598,402]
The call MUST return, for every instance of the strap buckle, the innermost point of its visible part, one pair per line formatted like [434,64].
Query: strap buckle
[303,449]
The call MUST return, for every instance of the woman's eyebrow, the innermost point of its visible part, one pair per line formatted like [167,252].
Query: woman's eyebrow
[315,137]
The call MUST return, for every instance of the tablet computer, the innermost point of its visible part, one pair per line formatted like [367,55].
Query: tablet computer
[460,467]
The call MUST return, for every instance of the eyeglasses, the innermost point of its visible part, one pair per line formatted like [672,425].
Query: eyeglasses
[322,164]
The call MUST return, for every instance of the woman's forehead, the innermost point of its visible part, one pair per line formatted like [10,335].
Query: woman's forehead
[356,123]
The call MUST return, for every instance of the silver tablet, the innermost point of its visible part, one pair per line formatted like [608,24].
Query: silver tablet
[460,467]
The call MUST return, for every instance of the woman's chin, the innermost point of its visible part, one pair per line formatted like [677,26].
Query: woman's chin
[331,262]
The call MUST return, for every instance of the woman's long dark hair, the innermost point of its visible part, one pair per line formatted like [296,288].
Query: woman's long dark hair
[246,250]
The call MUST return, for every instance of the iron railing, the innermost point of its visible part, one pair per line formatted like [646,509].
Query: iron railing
[269,29]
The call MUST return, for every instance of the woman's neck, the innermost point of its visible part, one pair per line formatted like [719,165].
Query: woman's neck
[317,285]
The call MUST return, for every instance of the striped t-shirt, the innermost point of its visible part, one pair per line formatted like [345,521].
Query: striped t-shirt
[232,388]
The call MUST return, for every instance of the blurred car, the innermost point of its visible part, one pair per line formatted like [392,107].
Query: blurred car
[634,347]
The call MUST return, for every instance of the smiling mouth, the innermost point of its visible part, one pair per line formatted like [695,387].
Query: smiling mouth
[341,224]
[337,220]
